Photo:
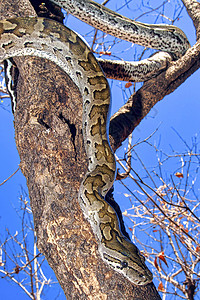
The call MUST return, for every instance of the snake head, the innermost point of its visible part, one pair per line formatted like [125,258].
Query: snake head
[127,260]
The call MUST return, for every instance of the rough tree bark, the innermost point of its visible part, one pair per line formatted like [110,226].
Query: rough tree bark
[48,125]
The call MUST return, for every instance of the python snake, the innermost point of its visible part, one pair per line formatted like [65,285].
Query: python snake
[165,37]
[51,40]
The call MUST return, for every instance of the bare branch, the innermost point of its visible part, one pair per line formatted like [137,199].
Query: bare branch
[9,177]
[193,9]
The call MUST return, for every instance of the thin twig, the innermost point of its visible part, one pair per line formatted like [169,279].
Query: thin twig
[9,177]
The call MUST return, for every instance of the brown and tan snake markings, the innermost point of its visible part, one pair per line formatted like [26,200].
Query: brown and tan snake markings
[162,37]
[51,40]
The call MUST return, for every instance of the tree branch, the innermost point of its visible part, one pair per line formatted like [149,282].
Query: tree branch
[140,103]
[193,9]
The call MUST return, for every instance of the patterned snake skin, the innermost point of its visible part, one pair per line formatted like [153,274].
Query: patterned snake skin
[49,39]
[166,38]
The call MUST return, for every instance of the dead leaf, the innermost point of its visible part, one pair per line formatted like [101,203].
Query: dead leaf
[179,174]
[156,264]
[161,287]
[105,53]
[161,256]
[17,269]
[128,84]
[198,249]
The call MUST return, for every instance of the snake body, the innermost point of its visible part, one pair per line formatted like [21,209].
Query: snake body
[51,40]
[11,78]
[162,37]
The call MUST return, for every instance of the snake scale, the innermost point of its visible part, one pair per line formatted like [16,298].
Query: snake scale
[51,40]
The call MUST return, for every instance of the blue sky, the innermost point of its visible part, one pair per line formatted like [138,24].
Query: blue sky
[179,111]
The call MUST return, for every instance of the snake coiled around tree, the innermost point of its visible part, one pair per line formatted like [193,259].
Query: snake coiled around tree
[49,39]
